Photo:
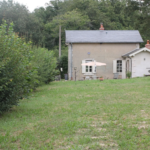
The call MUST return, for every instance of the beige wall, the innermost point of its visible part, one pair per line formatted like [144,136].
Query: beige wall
[105,53]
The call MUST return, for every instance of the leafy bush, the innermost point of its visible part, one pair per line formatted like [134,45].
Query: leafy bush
[128,74]
[22,68]
[63,63]
[17,77]
[45,62]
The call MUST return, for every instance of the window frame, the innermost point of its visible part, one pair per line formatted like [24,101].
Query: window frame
[88,69]
[93,71]
[119,66]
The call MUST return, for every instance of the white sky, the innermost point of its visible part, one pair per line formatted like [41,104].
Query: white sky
[32,4]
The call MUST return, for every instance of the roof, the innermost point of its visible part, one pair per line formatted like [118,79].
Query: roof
[136,51]
[103,36]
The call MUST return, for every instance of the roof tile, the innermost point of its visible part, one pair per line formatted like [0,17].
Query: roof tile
[103,36]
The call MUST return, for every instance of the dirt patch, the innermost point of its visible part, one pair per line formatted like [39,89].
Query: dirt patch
[109,144]
[101,129]
[17,133]
[98,118]
[144,114]
[141,125]
[83,130]
[95,137]
[89,96]
[64,147]
[93,125]
[102,144]
[99,137]
[30,126]
[3,133]
[18,144]
[48,141]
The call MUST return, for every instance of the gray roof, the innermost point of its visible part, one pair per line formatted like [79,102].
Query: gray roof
[135,50]
[103,36]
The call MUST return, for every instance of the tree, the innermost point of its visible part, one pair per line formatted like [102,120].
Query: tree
[69,21]
[63,63]
[17,76]
[16,13]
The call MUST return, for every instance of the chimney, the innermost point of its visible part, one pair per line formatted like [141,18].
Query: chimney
[147,45]
[101,28]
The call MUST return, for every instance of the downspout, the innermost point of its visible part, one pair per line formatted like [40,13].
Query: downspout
[71,62]
[131,65]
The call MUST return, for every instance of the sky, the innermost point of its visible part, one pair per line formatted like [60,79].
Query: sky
[32,4]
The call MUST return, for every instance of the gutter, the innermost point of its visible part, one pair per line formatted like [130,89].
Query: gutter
[131,65]
[98,42]
[71,62]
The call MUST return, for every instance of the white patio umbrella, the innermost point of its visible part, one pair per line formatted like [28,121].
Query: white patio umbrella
[93,64]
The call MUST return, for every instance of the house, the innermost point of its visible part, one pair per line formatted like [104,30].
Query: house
[138,61]
[119,49]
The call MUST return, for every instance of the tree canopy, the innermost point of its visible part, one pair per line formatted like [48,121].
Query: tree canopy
[42,25]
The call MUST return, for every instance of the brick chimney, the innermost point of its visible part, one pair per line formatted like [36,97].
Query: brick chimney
[147,45]
[101,28]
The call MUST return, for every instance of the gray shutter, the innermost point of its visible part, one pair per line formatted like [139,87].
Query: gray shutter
[114,66]
[123,69]
[83,67]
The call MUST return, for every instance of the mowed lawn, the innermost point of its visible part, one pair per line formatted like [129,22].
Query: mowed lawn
[82,115]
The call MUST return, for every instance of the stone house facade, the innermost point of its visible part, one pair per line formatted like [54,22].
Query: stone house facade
[106,46]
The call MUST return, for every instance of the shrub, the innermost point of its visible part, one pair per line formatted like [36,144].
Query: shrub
[63,63]
[17,76]
[22,68]
[128,74]
[45,62]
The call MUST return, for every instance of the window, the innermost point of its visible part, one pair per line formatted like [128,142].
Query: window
[88,68]
[119,65]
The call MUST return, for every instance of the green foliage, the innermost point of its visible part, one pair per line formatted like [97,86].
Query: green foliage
[115,14]
[42,25]
[45,63]
[128,74]
[63,63]
[22,68]
[16,72]
[26,24]
[72,20]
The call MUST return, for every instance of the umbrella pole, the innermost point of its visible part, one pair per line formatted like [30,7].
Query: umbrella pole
[105,71]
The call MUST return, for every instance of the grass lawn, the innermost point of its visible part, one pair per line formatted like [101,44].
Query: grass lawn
[82,115]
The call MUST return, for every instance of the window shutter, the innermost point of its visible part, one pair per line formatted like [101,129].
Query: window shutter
[94,67]
[123,69]
[83,67]
[114,66]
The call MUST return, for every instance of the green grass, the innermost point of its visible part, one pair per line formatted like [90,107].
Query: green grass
[82,115]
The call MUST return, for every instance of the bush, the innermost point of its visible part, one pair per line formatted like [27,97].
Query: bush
[63,63]
[17,76]
[22,68]
[45,62]
[128,74]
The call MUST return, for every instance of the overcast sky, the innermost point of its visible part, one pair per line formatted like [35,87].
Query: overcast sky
[32,4]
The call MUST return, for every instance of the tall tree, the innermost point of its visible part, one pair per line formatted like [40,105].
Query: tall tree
[72,20]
